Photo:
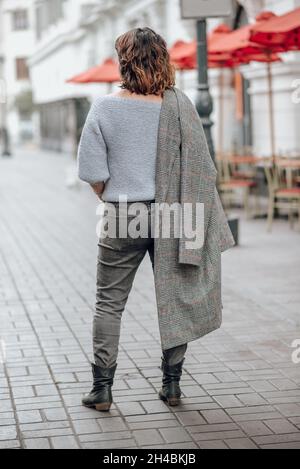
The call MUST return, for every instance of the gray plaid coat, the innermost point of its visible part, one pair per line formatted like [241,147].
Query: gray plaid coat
[187,281]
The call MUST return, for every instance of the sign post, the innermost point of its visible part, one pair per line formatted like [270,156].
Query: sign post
[200,10]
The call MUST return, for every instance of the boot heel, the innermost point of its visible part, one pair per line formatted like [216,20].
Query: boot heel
[104,407]
[173,401]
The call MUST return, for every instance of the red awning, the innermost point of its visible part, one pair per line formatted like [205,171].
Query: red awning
[281,31]
[107,72]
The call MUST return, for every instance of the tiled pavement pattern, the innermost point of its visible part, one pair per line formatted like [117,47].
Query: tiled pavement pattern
[241,388]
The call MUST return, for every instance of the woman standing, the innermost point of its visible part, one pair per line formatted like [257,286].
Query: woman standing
[146,143]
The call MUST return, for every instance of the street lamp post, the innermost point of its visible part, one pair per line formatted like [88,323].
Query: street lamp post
[200,10]
[204,102]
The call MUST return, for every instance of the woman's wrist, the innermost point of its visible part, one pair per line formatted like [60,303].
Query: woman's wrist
[98,188]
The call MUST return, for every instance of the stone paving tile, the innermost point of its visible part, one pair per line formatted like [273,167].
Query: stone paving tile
[285,438]
[190,418]
[64,442]
[240,443]
[86,426]
[131,408]
[215,416]
[10,444]
[289,410]
[112,424]
[222,435]
[256,428]
[215,444]
[228,401]
[8,432]
[29,416]
[281,446]
[149,437]
[281,426]
[57,413]
[153,424]
[175,435]
[189,445]
[123,444]
[240,387]
[37,443]
[105,436]
[208,428]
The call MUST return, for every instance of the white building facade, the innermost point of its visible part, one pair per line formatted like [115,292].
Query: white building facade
[16,45]
[81,37]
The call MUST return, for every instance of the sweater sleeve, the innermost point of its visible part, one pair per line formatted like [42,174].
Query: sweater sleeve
[92,152]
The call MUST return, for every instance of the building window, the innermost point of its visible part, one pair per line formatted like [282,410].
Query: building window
[20,20]
[47,13]
[22,71]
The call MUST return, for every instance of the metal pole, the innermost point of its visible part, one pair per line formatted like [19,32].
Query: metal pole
[221,123]
[204,103]
[271,112]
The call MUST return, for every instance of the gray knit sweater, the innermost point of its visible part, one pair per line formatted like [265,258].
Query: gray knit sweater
[118,146]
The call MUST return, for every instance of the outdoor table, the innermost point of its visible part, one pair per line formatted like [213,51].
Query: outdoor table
[247,159]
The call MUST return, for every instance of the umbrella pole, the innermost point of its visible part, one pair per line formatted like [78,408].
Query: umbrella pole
[221,104]
[271,110]
[181,80]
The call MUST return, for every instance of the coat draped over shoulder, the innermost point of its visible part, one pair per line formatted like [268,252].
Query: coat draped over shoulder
[187,281]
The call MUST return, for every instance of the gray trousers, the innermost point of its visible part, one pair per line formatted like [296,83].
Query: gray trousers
[118,261]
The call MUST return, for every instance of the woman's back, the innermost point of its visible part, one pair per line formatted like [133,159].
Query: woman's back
[119,146]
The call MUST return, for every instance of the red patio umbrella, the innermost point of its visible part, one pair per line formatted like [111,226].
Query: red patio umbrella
[239,41]
[239,45]
[184,54]
[107,72]
[280,31]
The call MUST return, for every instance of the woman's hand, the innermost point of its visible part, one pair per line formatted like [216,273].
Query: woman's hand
[98,188]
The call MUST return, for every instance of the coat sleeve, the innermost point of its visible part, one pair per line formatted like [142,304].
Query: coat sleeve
[92,152]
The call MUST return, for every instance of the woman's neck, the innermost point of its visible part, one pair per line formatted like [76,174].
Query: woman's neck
[129,95]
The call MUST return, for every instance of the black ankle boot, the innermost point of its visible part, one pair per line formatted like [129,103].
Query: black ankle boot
[170,391]
[100,397]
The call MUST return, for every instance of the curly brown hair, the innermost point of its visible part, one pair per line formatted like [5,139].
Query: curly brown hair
[144,61]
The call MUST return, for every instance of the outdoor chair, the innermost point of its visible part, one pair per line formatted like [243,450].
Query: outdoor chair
[283,194]
[231,180]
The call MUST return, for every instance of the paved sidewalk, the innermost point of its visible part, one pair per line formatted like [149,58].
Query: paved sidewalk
[241,388]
